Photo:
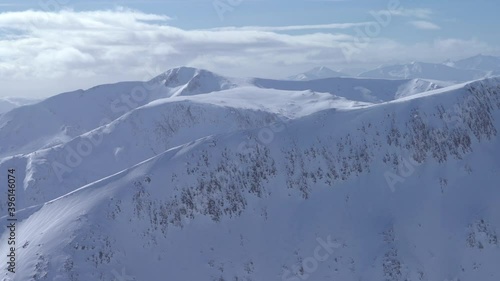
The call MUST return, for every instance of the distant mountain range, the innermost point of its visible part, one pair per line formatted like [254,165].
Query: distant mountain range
[463,70]
[425,71]
[317,73]
[479,62]
[443,74]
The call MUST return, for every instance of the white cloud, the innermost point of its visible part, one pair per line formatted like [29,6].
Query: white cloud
[46,53]
[121,44]
[67,19]
[294,27]
[418,13]
[384,51]
[415,13]
[426,25]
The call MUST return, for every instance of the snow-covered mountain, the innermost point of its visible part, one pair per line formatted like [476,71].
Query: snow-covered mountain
[423,70]
[68,115]
[319,72]
[196,176]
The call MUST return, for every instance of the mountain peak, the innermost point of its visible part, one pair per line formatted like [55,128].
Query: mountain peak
[318,72]
[187,80]
[178,76]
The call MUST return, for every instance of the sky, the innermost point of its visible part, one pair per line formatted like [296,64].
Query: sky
[51,46]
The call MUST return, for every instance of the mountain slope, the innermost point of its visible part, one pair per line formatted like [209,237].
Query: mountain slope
[323,200]
[152,129]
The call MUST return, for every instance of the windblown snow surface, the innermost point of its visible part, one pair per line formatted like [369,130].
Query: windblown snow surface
[195,176]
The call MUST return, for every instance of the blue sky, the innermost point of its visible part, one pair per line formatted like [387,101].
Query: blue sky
[90,42]
[459,18]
